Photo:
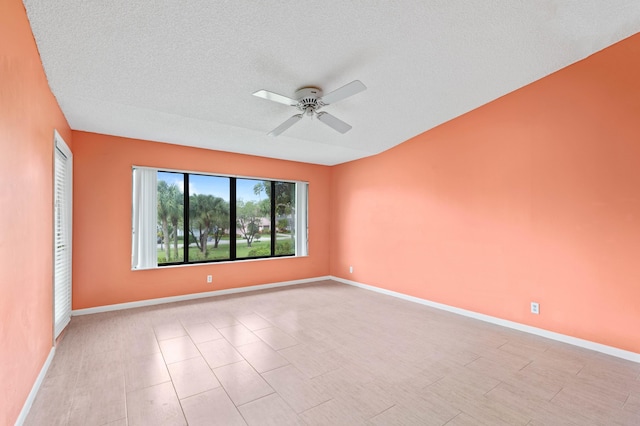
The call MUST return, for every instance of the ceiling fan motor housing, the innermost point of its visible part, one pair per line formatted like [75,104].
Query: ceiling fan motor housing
[308,99]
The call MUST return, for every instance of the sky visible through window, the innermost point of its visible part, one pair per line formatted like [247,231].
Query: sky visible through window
[244,190]
[209,185]
[213,185]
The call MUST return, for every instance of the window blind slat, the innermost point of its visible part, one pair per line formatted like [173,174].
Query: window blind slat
[62,240]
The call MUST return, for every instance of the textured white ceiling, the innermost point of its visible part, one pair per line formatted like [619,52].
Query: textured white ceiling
[183,71]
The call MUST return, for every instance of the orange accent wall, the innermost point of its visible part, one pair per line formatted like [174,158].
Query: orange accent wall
[28,115]
[102,222]
[533,197]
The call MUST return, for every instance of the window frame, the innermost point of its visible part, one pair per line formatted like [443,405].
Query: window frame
[233,234]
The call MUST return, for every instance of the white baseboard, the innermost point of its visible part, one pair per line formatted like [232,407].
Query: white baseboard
[192,296]
[598,347]
[35,388]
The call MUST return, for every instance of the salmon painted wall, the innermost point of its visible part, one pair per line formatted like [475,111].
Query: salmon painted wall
[102,222]
[28,115]
[533,197]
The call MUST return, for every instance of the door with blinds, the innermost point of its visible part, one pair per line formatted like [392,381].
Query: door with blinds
[63,167]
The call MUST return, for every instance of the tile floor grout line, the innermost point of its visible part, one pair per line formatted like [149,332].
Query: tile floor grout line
[215,375]
[175,391]
[256,399]
[556,394]
[75,384]
[498,384]
[454,417]
[166,366]
[315,406]
[124,380]
[526,365]
[381,412]
[274,368]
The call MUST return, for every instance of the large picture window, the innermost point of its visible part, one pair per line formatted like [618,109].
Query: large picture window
[206,218]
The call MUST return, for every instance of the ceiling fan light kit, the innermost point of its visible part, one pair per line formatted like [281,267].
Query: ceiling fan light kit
[309,100]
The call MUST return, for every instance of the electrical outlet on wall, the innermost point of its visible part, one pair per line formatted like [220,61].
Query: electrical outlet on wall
[209,279]
[535,308]
[351,269]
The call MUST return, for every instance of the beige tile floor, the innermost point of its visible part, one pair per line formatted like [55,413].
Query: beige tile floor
[323,354]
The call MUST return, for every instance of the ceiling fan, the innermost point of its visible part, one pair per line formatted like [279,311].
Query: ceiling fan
[309,100]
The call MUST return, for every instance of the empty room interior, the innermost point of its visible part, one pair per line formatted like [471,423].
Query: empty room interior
[320,213]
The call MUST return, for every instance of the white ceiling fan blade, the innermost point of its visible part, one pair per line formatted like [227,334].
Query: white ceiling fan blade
[333,122]
[265,94]
[284,126]
[345,91]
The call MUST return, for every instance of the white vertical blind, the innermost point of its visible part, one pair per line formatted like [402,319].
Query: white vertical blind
[144,218]
[62,235]
[302,230]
